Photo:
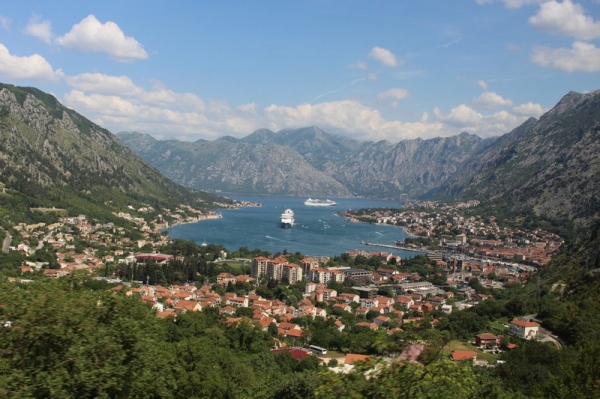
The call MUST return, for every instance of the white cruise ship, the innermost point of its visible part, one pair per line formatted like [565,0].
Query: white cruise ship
[287,219]
[318,202]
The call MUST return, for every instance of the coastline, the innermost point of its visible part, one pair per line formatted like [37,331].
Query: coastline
[354,220]
[212,215]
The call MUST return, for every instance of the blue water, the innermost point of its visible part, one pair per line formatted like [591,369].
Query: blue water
[318,231]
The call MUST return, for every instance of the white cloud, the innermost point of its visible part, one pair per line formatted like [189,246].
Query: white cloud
[483,84]
[384,56]
[33,67]
[462,116]
[90,35]
[371,76]
[39,29]
[121,113]
[350,117]
[123,86]
[249,108]
[103,84]
[5,23]
[510,3]
[584,57]
[491,100]
[465,118]
[394,95]
[359,65]
[529,110]
[118,104]
[565,18]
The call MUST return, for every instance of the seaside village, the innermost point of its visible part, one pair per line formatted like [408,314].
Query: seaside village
[410,297]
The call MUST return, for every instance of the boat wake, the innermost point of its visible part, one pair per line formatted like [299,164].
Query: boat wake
[273,238]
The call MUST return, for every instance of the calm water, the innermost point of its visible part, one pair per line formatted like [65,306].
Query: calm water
[317,230]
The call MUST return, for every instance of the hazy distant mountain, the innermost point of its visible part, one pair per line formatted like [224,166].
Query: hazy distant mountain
[233,165]
[308,162]
[57,157]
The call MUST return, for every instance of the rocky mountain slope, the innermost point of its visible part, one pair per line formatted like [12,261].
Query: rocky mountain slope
[550,165]
[233,165]
[308,162]
[49,153]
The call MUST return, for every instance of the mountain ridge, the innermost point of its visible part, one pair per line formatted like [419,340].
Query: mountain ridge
[57,157]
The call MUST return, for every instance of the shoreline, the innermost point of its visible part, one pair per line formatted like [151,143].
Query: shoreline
[351,220]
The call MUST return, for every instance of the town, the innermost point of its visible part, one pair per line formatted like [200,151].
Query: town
[468,260]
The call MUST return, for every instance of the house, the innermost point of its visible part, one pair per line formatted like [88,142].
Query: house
[188,306]
[487,341]
[239,302]
[229,310]
[226,278]
[524,329]
[446,309]
[342,306]
[361,311]
[339,325]
[366,324]
[405,301]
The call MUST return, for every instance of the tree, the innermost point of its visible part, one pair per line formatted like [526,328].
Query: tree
[79,343]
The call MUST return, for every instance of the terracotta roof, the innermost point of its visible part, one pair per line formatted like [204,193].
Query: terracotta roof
[524,323]
[486,336]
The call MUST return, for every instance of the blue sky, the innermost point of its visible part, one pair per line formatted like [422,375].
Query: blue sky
[370,70]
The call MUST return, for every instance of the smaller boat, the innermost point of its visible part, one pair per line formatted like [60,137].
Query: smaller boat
[318,202]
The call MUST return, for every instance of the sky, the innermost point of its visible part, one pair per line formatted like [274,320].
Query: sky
[369,70]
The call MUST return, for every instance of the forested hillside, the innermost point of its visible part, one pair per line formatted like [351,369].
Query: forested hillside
[52,157]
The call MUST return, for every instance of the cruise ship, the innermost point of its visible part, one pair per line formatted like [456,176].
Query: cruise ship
[318,202]
[287,219]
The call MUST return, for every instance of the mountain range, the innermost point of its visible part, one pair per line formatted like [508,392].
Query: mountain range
[308,162]
[56,157]
[549,165]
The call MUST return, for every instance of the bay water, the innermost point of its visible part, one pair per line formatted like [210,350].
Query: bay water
[317,231]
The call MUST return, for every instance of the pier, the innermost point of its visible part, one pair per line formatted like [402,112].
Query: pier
[374,244]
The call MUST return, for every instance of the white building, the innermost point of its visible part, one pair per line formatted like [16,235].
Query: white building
[524,329]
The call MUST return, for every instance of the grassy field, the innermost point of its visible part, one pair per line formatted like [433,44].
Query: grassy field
[236,266]
[497,327]
[461,345]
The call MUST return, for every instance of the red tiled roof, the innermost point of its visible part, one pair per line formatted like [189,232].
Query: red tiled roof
[524,323]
